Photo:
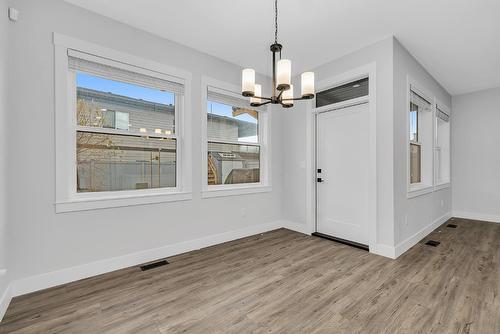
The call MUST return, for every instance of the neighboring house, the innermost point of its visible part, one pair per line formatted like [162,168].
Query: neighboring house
[111,162]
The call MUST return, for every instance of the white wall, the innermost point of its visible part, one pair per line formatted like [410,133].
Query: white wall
[412,215]
[44,241]
[475,155]
[294,139]
[401,221]
[4,27]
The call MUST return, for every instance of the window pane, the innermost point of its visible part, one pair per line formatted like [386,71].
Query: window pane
[345,92]
[117,105]
[413,122]
[232,163]
[415,167]
[122,120]
[108,162]
[443,150]
[228,123]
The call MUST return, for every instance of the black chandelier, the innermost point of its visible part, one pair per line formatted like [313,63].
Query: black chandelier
[282,92]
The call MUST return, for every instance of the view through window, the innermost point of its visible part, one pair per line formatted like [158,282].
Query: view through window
[125,135]
[419,107]
[233,144]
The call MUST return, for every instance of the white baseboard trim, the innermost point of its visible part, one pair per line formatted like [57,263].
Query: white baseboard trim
[408,243]
[383,250]
[43,281]
[477,216]
[5,301]
[297,227]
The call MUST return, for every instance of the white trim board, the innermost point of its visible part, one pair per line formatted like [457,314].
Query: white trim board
[383,250]
[297,227]
[5,301]
[395,252]
[411,241]
[47,280]
[477,216]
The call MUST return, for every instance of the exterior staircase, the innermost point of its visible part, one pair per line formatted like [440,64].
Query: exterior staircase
[212,171]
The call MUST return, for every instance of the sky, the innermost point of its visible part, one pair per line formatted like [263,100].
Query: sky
[148,94]
[120,88]
[226,110]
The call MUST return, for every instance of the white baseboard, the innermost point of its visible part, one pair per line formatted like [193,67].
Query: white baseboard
[5,301]
[297,227]
[414,239]
[383,250]
[54,278]
[477,216]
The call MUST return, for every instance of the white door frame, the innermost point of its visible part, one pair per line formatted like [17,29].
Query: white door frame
[369,71]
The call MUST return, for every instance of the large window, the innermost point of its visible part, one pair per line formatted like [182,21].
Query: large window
[235,141]
[233,144]
[442,159]
[419,139]
[125,129]
[122,136]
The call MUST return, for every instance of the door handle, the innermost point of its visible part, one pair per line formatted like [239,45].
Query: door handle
[319,179]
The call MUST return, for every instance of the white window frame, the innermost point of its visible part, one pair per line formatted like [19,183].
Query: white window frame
[447,110]
[264,142]
[427,179]
[67,198]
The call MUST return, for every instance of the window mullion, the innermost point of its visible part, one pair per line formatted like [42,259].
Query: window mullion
[229,142]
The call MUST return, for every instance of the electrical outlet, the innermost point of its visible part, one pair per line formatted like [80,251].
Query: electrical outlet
[442,202]
[243,212]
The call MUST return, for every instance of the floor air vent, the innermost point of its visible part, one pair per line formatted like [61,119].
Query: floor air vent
[432,243]
[154,265]
[451,226]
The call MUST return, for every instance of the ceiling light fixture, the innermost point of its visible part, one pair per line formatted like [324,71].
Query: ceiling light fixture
[282,91]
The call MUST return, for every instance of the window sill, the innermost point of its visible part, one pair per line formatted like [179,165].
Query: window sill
[419,190]
[442,186]
[234,190]
[120,201]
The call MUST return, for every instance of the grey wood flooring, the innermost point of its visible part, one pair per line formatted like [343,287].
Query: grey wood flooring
[286,282]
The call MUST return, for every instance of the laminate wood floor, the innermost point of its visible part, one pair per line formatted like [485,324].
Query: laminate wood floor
[286,282]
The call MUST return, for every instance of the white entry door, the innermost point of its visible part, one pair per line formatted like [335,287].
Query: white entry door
[343,157]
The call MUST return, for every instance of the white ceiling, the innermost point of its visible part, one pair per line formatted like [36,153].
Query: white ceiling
[457,41]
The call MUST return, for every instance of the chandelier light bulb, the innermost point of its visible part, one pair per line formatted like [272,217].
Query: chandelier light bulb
[288,94]
[307,85]
[256,100]
[248,82]
[283,74]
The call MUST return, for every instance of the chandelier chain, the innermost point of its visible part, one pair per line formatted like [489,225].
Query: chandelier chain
[276,21]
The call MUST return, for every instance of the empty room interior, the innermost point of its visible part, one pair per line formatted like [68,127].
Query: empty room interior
[268,166]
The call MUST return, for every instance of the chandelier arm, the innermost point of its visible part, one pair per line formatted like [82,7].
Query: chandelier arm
[259,104]
[263,98]
[279,95]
